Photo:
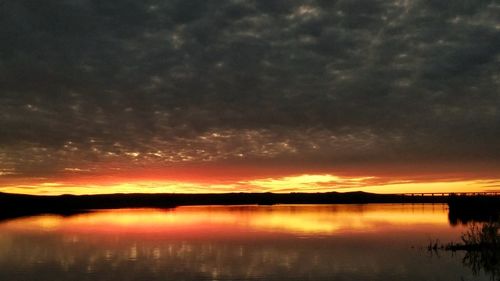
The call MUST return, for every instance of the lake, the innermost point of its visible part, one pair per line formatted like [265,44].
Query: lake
[280,242]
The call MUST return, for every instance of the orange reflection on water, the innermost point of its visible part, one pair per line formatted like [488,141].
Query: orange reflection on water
[345,218]
[205,220]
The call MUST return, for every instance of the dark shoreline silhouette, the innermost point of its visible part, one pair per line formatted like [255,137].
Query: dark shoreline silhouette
[16,205]
[467,209]
[462,208]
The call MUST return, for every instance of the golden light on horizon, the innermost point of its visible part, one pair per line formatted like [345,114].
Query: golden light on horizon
[294,183]
[307,182]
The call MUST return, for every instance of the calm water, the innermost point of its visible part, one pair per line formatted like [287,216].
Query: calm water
[311,242]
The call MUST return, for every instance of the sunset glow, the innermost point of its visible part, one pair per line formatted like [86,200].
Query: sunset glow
[249,96]
[295,183]
[249,139]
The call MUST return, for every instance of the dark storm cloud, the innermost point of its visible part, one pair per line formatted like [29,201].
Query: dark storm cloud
[160,82]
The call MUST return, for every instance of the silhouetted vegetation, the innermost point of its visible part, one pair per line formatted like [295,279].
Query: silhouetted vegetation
[481,243]
[482,246]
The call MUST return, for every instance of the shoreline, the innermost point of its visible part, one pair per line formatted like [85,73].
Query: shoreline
[462,209]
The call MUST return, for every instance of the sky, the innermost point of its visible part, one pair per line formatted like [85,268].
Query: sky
[249,96]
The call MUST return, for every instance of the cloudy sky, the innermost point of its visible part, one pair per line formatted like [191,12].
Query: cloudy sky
[248,95]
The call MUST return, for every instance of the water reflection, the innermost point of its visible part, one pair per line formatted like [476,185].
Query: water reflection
[481,244]
[486,260]
[300,219]
[344,242]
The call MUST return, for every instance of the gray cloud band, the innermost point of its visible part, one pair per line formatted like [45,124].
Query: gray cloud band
[163,82]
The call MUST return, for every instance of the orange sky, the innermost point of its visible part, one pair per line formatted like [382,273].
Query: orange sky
[218,179]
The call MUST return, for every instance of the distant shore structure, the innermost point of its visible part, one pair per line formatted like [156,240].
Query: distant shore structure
[484,193]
